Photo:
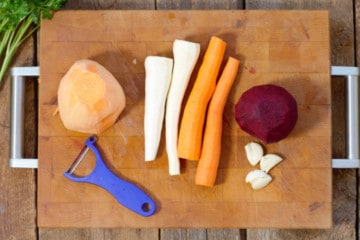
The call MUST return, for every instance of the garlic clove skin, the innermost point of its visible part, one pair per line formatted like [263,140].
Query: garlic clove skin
[258,179]
[254,152]
[259,183]
[269,161]
[253,174]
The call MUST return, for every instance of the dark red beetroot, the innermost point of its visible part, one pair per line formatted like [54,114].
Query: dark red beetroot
[268,112]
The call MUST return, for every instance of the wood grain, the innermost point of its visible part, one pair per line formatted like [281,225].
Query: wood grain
[199,233]
[105,4]
[198,4]
[264,47]
[357,60]
[174,4]
[344,181]
[98,234]
[18,189]
[102,233]
[14,226]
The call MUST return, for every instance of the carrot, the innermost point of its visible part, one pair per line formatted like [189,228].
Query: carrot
[210,153]
[191,128]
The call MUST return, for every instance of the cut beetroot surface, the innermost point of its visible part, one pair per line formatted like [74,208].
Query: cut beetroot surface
[268,112]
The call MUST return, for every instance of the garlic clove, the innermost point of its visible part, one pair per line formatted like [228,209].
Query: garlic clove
[258,179]
[253,174]
[269,161]
[254,152]
[259,183]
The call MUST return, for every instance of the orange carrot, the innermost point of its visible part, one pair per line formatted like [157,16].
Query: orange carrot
[210,153]
[191,128]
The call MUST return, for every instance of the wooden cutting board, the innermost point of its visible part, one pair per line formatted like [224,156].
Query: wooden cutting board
[287,48]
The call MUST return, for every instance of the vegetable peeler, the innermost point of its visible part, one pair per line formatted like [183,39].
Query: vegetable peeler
[126,193]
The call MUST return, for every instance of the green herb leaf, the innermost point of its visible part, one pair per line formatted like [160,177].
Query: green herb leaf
[18,19]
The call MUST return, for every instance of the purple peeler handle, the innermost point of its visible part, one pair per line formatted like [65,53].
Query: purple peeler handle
[126,193]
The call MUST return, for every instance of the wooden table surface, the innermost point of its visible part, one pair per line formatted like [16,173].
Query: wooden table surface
[18,186]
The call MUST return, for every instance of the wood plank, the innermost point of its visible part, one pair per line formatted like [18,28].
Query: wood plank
[102,233]
[228,234]
[202,234]
[8,232]
[182,233]
[357,44]
[344,181]
[105,4]
[202,4]
[98,234]
[198,233]
[18,186]
[198,4]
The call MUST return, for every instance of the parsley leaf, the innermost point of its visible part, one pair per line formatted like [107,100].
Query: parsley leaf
[18,20]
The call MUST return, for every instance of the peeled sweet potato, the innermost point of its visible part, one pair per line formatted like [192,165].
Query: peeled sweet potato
[90,99]
[268,112]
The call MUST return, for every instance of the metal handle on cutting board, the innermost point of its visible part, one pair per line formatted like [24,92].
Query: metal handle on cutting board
[351,75]
[17,117]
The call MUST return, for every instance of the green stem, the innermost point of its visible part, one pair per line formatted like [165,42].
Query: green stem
[22,29]
[9,53]
[3,24]
[5,64]
[4,39]
[15,39]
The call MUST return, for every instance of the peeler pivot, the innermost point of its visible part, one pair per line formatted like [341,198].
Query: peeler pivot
[126,193]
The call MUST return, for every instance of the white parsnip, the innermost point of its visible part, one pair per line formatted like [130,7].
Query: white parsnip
[158,72]
[186,55]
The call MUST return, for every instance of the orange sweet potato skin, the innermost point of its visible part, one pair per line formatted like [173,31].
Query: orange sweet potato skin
[90,99]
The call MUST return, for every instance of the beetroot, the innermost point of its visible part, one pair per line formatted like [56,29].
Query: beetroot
[268,112]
